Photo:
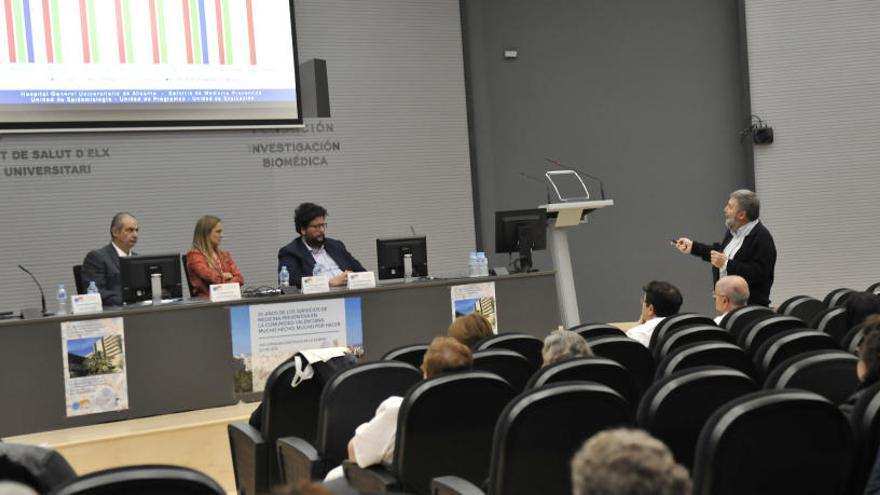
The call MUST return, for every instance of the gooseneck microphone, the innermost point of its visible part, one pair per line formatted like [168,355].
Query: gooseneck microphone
[564,166]
[29,313]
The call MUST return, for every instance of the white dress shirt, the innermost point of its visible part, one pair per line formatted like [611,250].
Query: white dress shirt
[330,268]
[643,332]
[733,246]
[121,253]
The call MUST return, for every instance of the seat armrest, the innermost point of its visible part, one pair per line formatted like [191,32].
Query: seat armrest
[250,459]
[373,479]
[453,485]
[299,461]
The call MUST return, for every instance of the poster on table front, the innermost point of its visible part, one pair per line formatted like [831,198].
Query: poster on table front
[475,297]
[95,379]
[266,335]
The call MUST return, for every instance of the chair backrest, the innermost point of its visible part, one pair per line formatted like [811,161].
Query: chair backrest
[774,441]
[187,275]
[527,345]
[412,354]
[540,430]
[865,421]
[595,330]
[351,398]
[853,338]
[507,364]
[837,297]
[831,374]
[590,369]
[777,348]
[40,468]
[783,308]
[831,321]
[683,336]
[632,355]
[287,410]
[705,354]
[79,283]
[143,480]
[741,318]
[805,308]
[875,288]
[445,427]
[676,321]
[675,408]
[752,337]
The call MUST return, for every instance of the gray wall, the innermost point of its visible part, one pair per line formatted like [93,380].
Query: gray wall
[398,157]
[648,95]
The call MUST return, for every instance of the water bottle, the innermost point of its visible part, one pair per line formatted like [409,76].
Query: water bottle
[473,265]
[284,277]
[92,289]
[483,264]
[62,299]
[317,270]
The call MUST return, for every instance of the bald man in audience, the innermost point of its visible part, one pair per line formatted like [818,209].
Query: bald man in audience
[730,292]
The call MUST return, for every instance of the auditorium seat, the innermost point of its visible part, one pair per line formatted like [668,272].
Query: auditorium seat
[754,335]
[831,374]
[595,330]
[41,468]
[286,411]
[705,354]
[865,421]
[592,369]
[773,442]
[831,321]
[445,427]
[629,353]
[507,364]
[143,480]
[782,308]
[412,354]
[527,345]
[538,433]
[853,338]
[874,288]
[349,399]
[677,321]
[837,297]
[783,345]
[689,335]
[805,308]
[741,318]
[675,408]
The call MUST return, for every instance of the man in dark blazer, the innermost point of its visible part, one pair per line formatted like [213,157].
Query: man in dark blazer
[102,265]
[747,250]
[313,248]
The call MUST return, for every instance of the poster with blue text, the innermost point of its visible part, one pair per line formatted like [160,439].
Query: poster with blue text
[95,380]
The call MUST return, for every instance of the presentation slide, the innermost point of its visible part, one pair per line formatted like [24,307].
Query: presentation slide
[147,61]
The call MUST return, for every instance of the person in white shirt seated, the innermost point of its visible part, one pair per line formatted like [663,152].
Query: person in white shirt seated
[730,292]
[373,441]
[659,300]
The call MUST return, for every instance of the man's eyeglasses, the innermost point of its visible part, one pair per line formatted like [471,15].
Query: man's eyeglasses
[318,226]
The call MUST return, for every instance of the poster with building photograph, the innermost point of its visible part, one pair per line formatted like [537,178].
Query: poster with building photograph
[475,297]
[94,366]
[265,335]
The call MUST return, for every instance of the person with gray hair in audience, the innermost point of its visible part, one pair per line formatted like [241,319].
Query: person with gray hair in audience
[730,292]
[564,344]
[627,462]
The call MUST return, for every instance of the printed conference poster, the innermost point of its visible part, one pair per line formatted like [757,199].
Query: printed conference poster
[95,379]
[266,335]
[475,297]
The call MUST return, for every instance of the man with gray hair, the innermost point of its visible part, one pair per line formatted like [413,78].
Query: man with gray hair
[730,292]
[747,250]
[102,265]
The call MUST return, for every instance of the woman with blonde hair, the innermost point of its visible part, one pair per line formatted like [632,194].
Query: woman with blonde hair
[206,263]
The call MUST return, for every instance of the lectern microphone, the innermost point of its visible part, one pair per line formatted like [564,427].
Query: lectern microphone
[29,313]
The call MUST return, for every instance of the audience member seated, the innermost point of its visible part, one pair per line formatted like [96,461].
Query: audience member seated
[859,306]
[627,462]
[731,292]
[470,329]
[312,248]
[564,344]
[102,265]
[206,263]
[373,442]
[868,367]
[659,300]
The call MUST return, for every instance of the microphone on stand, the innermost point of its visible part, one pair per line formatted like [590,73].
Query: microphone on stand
[29,313]
[563,166]
[532,177]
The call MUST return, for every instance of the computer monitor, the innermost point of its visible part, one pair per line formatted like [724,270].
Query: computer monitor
[521,231]
[136,272]
[389,253]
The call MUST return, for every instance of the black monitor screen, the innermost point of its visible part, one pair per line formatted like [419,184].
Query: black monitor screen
[389,253]
[136,272]
[521,231]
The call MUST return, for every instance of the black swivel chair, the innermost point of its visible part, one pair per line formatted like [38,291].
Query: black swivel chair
[143,480]
[596,330]
[590,369]
[705,354]
[412,354]
[631,354]
[527,345]
[681,337]
[831,374]
[677,321]
[741,318]
[805,308]
[538,433]
[753,336]
[675,408]
[444,427]
[187,275]
[777,348]
[349,399]
[507,364]
[831,321]
[80,284]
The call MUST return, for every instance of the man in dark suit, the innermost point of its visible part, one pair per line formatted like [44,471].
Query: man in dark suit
[102,265]
[747,250]
[312,248]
